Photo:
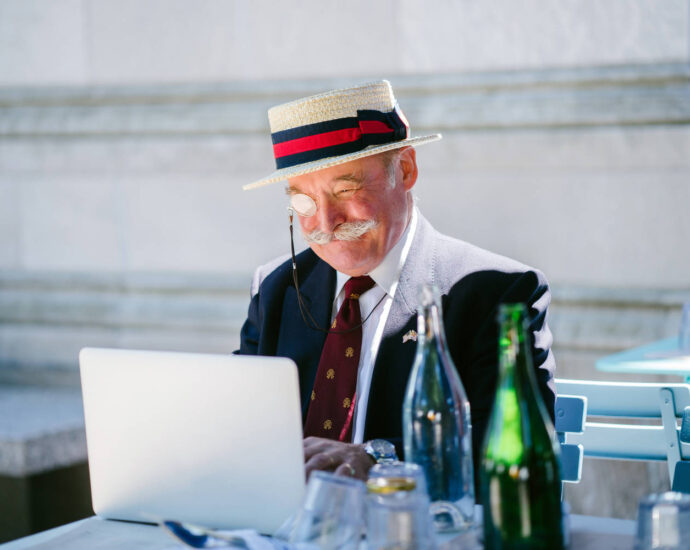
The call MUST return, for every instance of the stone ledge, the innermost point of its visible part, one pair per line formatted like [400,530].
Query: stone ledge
[145,301]
[47,317]
[656,298]
[405,85]
[601,321]
[41,429]
[158,282]
[599,96]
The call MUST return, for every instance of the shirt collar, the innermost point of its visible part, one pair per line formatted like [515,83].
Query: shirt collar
[386,274]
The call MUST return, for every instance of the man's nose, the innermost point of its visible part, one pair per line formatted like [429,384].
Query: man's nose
[329,214]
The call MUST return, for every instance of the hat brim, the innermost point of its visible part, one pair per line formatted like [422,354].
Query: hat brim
[315,166]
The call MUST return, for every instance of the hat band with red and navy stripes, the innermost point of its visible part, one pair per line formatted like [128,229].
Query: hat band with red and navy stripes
[337,137]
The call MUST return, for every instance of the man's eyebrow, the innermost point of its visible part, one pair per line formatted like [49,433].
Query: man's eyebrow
[355,177]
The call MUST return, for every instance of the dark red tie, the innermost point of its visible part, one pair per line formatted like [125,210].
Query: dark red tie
[333,397]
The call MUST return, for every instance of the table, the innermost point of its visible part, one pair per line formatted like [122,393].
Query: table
[587,533]
[661,357]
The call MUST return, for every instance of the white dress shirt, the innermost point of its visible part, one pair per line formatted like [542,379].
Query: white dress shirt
[386,276]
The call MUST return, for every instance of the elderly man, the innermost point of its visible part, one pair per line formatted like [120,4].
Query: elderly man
[345,309]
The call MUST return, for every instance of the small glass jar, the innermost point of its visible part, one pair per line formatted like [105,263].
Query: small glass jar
[398,515]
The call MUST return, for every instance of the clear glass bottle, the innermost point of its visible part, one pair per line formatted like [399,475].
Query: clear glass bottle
[437,430]
[520,471]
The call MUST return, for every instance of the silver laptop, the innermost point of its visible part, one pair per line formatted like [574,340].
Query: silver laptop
[210,439]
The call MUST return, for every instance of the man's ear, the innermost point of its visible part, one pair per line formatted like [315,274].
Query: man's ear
[408,165]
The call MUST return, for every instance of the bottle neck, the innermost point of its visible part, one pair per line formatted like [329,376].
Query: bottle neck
[430,325]
[514,353]
[506,443]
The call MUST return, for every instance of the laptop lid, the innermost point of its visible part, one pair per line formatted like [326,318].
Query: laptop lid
[210,439]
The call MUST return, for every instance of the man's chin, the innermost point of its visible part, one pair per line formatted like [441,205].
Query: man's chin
[339,255]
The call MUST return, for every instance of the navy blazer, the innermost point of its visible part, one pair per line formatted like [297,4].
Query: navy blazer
[473,282]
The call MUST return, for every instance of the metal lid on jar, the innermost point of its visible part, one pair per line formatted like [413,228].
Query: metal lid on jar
[389,485]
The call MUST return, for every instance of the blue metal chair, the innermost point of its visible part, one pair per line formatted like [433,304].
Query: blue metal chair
[662,405]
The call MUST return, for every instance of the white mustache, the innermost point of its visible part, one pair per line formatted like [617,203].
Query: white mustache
[348,231]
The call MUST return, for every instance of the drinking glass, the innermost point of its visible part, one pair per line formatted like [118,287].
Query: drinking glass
[663,522]
[332,514]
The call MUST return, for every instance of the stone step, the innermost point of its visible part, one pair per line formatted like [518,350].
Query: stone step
[41,429]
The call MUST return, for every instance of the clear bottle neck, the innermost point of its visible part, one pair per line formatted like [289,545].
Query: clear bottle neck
[430,318]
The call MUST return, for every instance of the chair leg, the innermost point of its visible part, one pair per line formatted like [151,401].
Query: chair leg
[681,477]
[668,419]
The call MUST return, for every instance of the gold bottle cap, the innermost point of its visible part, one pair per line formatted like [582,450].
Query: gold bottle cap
[388,485]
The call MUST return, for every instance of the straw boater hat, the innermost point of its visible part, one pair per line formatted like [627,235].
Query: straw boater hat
[336,127]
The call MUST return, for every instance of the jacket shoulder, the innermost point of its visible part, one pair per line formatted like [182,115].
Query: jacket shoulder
[455,259]
[278,271]
[279,264]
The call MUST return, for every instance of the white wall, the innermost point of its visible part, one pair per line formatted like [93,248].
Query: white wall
[79,42]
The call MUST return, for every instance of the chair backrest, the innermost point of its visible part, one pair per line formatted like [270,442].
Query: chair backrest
[659,439]
[571,411]
[681,477]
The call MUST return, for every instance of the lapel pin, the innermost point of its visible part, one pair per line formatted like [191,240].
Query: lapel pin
[411,335]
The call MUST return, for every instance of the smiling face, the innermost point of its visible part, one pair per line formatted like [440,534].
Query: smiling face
[354,197]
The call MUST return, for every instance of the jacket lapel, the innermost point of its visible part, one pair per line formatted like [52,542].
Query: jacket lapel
[396,352]
[299,340]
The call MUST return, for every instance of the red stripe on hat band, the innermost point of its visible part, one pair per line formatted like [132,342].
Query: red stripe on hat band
[318,141]
[328,139]
[374,127]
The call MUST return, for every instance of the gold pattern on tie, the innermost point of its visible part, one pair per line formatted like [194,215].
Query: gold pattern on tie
[327,425]
[330,374]
[349,352]
[335,322]
[313,395]
[346,402]
[354,296]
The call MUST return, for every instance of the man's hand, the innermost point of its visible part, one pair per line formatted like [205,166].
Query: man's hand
[347,459]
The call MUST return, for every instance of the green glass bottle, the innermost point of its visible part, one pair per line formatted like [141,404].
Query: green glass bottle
[520,470]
